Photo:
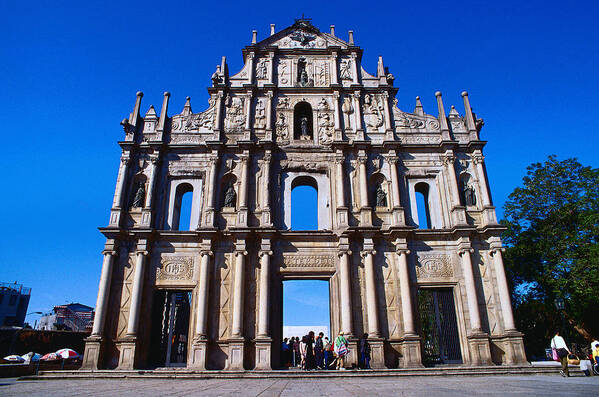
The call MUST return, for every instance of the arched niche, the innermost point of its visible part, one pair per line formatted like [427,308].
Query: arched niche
[303,128]
[316,180]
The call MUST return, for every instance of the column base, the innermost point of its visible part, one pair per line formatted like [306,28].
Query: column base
[265,217]
[513,347]
[398,217]
[351,359]
[410,349]
[458,216]
[263,354]
[489,216]
[146,217]
[94,349]
[236,354]
[480,349]
[366,217]
[209,217]
[377,353]
[242,217]
[342,217]
[127,348]
[115,217]
[197,354]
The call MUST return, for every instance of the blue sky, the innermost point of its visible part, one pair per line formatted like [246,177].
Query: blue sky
[70,70]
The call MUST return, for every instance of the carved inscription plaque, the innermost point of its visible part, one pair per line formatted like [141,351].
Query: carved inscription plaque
[434,266]
[309,261]
[175,268]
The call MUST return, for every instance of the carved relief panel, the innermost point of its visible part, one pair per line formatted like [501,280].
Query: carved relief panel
[433,266]
[175,270]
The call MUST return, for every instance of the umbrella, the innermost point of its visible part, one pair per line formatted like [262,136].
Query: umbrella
[14,358]
[67,353]
[50,357]
[31,356]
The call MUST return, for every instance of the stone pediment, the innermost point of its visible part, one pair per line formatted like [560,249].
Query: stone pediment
[302,35]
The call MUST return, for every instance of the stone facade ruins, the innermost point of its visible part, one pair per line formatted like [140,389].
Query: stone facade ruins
[302,111]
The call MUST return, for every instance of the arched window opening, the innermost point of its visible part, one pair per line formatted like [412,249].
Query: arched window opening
[182,208]
[302,122]
[422,205]
[304,204]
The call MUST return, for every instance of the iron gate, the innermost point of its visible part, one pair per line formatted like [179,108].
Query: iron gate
[170,328]
[438,327]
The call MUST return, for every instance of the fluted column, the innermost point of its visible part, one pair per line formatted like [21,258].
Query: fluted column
[238,292]
[264,299]
[475,323]
[340,191]
[448,163]
[336,117]
[212,183]
[103,294]
[358,115]
[121,178]
[405,291]
[371,305]
[155,160]
[268,110]
[363,182]
[354,62]
[345,292]
[243,188]
[504,291]
[218,111]
[248,112]
[202,304]
[136,293]
[392,160]
[482,181]
[334,76]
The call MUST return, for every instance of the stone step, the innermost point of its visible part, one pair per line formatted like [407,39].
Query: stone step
[185,373]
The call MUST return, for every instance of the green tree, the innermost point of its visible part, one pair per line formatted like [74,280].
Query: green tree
[552,251]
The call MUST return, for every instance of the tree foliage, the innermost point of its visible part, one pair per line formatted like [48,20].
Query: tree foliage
[553,250]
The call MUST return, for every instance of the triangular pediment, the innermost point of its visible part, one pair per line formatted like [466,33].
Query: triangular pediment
[302,35]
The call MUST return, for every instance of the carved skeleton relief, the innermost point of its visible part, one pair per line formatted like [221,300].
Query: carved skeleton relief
[373,110]
[235,114]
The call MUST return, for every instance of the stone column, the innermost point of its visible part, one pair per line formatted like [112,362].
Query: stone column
[345,291]
[271,68]
[410,340]
[263,322]
[268,110]
[146,217]
[211,188]
[103,294]
[218,112]
[203,289]
[338,136]
[475,324]
[342,210]
[238,292]
[251,68]
[266,189]
[398,215]
[354,62]
[248,113]
[334,76]
[117,203]
[458,213]
[371,304]
[478,159]
[365,210]
[236,342]
[358,116]
[136,293]
[504,291]
[388,128]
[242,214]
[406,293]
[197,356]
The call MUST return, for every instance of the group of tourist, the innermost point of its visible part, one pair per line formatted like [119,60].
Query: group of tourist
[562,353]
[318,352]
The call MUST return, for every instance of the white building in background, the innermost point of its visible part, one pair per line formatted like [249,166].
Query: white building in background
[301,330]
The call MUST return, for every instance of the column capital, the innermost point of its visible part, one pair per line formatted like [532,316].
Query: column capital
[447,159]
[369,251]
[362,158]
[262,253]
[142,252]
[477,159]
[125,159]
[267,156]
[402,251]
[494,250]
[336,94]
[462,251]
[343,251]
[269,94]
[108,252]
[206,252]
[357,95]
[392,159]
[240,252]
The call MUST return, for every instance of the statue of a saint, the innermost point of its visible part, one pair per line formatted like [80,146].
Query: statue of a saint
[381,197]
[230,197]
[140,195]
[216,76]
[470,195]
[304,128]
[304,78]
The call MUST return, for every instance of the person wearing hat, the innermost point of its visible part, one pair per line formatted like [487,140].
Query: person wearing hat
[341,350]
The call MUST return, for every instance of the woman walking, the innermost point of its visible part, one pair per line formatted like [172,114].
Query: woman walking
[302,347]
[341,350]
[310,360]
[559,344]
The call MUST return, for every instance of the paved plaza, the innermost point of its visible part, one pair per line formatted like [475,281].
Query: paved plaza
[539,385]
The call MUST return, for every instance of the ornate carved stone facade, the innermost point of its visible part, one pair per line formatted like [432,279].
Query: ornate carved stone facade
[302,110]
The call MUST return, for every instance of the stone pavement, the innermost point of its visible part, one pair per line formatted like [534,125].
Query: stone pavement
[533,385]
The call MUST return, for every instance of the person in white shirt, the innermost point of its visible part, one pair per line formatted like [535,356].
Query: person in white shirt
[559,344]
